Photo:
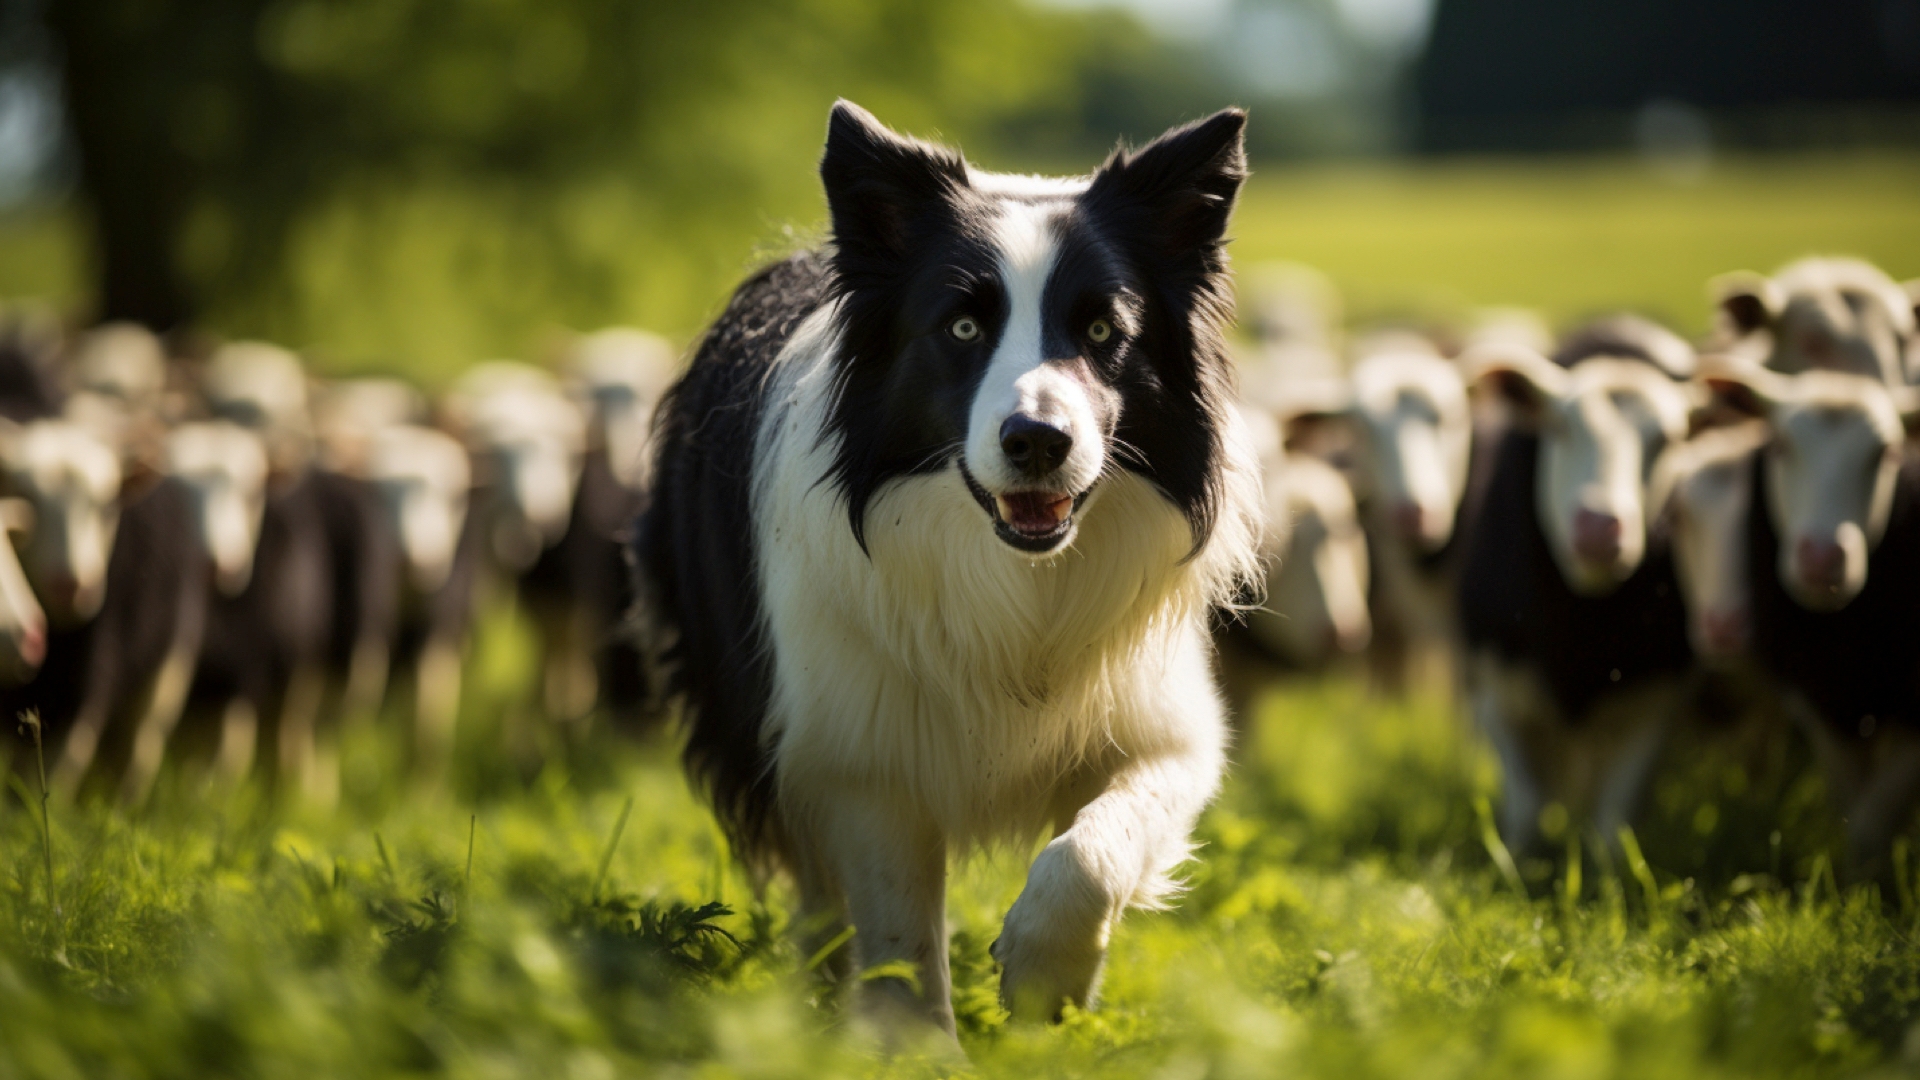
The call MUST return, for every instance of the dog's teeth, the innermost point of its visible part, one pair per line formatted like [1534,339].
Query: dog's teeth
[1033,512]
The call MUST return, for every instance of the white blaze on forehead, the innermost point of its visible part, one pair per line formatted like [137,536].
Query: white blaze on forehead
[1026,186]
[1018,379]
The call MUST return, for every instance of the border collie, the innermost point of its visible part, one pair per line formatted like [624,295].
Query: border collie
[940,515]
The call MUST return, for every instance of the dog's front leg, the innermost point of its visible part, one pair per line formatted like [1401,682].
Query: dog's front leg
[1118,851]
[890,864]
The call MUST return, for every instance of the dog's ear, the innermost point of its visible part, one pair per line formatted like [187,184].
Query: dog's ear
[882,186]
[1177,191]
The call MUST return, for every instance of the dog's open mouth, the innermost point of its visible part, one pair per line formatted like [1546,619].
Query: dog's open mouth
[1033,521]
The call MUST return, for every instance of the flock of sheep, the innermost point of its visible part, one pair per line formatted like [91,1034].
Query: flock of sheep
[1599,539]
[1594,540]
[223,559]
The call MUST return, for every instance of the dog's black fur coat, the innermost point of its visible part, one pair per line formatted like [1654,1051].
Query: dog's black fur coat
[912,250]
[694,546]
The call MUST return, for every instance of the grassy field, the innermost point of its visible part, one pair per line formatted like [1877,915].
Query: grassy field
[570,912]
[1346,918]
[1573,239]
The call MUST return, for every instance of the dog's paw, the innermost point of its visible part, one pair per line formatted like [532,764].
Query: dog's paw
[1054,939]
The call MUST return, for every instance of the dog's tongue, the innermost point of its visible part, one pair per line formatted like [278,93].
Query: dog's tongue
[1035,511]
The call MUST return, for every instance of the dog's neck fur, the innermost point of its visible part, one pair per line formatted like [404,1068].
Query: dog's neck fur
[976,653]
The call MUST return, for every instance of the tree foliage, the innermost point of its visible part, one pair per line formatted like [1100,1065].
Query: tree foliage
[420,182]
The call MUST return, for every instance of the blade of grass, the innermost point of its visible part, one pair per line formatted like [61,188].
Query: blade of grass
[1902,883]
[467,879]
[832,946]
[1642,873]
[1497,848]
[386,860]
[606,857]
[31,721]
[904,970]
[1570,886]
[1810,889]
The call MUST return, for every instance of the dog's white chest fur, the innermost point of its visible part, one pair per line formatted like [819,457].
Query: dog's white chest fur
[943,667]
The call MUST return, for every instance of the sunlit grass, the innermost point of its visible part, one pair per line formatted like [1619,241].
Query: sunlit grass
[1344,918]
[1575,237]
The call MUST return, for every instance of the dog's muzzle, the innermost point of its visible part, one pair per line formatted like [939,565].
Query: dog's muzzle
[1033,521]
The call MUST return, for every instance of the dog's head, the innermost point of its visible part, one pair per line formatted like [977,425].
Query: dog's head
[1034,334]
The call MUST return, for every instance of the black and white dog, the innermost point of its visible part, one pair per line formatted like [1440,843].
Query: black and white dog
[940,513]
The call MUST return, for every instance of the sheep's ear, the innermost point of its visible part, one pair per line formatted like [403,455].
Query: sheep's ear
[1314,413]
[1707,411]
[883,188]
[1527,381]
[1308,432]
[1740,391]
[1747,301]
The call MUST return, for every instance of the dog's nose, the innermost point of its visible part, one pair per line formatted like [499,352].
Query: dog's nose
[1596,536]
[1032,446]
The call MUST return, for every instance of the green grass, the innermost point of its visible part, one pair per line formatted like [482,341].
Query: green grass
[1575,237]
[1345,918]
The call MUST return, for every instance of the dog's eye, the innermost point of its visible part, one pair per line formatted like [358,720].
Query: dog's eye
[964,328]
[1099,331]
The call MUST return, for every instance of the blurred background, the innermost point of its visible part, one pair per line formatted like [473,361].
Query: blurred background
[412,185]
